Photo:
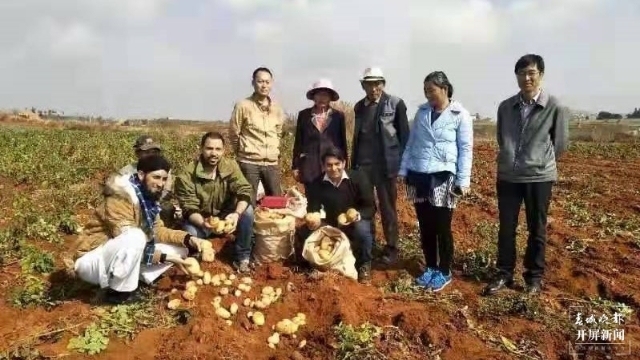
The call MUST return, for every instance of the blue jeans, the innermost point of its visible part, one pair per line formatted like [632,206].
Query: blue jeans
[244,231]
[361,240]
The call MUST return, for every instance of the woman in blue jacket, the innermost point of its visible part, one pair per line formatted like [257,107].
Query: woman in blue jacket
[436,167]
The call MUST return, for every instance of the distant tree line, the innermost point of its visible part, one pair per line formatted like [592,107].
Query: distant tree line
[605,115]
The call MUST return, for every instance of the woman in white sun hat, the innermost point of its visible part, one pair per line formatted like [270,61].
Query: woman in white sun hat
[319,127]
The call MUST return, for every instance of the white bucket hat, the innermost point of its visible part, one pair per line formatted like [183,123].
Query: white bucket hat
[372,74]
[323,84]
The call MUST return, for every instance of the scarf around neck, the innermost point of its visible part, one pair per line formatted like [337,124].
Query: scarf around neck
[150,210]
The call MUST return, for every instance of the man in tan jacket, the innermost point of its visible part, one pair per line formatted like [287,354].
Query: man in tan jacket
[256,128]
[126,241]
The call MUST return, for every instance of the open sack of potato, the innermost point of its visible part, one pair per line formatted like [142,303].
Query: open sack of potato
[328,248]
[274,232]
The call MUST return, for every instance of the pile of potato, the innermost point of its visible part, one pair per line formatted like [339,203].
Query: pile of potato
[230,285]
[326,247]
[220,226]
[349,217]
[267,214]
[287,327]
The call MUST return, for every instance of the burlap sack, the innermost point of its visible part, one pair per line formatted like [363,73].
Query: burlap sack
[274,238]
[341,260]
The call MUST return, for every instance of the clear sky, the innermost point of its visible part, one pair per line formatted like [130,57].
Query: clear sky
[194,58]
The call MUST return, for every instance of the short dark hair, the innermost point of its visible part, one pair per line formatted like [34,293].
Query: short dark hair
[256,71]
[333,152]
[529,59]
[211,135]
[153,162]
[440,79]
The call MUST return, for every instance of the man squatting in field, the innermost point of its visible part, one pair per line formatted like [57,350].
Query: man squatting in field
[213,185]
[380,135]
[256,128]
[338,190]
[532,132]
[145,146]
[126,240]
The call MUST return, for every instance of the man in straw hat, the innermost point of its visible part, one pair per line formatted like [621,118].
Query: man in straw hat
[380,135]
[318,128]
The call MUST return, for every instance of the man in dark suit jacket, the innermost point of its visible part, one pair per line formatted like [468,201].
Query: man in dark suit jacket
[336,191]
[380,135]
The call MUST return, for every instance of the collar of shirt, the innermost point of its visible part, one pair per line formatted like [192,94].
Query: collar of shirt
[344,176]
[532,101]
[367,101]
[265,108]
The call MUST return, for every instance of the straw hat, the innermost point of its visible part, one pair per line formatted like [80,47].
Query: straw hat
[323,84]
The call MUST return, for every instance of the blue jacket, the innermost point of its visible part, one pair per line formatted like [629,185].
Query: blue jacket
[447,145]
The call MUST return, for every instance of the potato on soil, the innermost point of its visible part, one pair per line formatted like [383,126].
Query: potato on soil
[260,305]
[258,318]
[267,290]
[228,282]
[208,255]
[224,291]
[190,293]
[233,308]
[246,280]
[247,302]
[237,293]
[190,283]
[206,279]
[200,282]
[286,327]
[274,339]
[223,313]
[174,304]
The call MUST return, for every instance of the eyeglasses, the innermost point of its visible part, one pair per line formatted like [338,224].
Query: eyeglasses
[531,73]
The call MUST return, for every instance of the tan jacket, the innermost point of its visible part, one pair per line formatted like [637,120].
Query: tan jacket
[118,209]
[255,133]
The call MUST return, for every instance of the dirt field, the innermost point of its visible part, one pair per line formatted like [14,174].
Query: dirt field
[49,180]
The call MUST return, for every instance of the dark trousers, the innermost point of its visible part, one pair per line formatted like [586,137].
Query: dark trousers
[536,198]
[269,174]
[387,193]
[435,235]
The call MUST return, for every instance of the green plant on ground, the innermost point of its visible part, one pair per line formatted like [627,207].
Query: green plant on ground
[357,342]
[124,321]
[478,262]
[32,292]
[36,260]
[93,341]
[511,305]
[404,285]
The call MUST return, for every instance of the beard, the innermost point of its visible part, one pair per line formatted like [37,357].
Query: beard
[148,193]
